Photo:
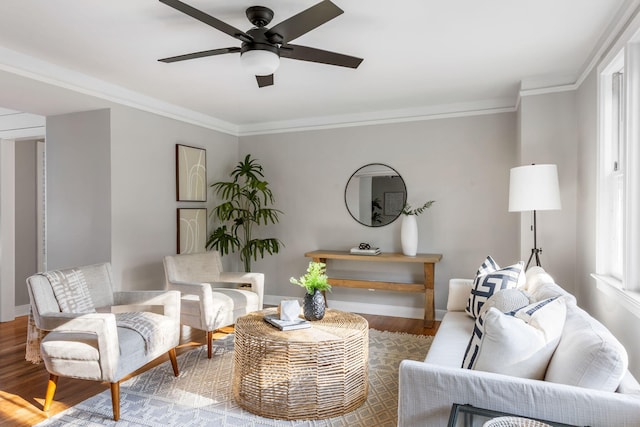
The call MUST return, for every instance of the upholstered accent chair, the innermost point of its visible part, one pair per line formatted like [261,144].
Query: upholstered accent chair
[96,333]
[205,303]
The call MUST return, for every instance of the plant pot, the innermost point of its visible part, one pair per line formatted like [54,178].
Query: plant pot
[409,235]
[313,306]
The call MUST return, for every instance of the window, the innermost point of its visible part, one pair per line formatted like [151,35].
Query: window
[618,194]
[611,190]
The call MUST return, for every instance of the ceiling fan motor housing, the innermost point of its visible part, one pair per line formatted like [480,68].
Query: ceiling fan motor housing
[259,42]
[259,16]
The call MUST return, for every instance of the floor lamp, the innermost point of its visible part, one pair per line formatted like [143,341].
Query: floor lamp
[534,188]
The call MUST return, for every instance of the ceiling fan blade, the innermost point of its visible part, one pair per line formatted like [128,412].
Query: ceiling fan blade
[303,22]
[201,54]
[208,19]
[304,53]
[265,80]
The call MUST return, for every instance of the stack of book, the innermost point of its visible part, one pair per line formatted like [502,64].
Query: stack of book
[287,325]
[370,251]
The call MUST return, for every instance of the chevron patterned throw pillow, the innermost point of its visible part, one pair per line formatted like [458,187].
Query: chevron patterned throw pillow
[490,279]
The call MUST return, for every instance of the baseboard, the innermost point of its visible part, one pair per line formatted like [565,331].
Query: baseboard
[365,308]
[22,310]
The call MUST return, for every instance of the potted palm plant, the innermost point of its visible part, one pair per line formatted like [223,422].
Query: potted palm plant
[246,204]
[315,282]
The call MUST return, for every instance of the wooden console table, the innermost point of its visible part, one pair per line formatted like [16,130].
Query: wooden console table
[429,261]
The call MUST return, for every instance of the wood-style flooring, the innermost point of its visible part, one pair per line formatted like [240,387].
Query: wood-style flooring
[22,384]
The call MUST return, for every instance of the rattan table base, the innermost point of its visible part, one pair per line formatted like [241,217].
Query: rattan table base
[314,373]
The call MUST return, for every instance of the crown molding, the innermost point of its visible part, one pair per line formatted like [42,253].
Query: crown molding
[505,105]
[19,125]
[45,72]
[624,21]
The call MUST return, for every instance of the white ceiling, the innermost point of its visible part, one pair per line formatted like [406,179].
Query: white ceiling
[420,56]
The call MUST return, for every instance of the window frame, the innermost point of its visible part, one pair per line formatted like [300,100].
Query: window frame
[626,289]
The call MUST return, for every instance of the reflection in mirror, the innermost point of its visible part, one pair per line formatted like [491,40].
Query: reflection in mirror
[375,195]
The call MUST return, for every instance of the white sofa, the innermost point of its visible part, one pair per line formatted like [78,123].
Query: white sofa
[587,354]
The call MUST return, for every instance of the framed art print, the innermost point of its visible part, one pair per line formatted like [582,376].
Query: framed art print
[191,174]
[192,230]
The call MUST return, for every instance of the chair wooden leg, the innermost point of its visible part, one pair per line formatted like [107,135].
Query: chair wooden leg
[51,390]
[209,344]
[115,400]
[174,361]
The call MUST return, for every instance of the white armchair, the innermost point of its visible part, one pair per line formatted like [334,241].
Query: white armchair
[205,305]
[97,334]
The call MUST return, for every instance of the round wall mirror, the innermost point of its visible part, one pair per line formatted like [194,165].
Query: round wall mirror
[375,195]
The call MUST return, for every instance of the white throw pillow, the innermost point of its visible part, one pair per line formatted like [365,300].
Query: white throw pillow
[490,279]
[519,344]
[588,355]
[536,276]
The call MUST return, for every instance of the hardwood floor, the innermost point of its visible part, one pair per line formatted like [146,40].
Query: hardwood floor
[22,384]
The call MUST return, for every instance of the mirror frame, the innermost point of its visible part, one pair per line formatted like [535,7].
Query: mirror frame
[346,188]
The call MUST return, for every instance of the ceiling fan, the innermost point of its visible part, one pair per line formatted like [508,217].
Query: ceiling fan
[262,47]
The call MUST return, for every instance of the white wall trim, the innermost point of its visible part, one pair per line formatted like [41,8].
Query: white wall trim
[550,89]
[620,25]
[611,36]
[627,299]
[22,310]
[365,308]
[380,117]
[42,71]
[7,230]
[17,125]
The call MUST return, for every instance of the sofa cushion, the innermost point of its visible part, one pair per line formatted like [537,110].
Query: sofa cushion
[490,278]
[519,343]
[588,355]
[449,344]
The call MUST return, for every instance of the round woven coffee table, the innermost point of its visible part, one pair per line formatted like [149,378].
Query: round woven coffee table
[315,373]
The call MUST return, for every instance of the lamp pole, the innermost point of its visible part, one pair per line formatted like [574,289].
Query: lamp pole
[535,249]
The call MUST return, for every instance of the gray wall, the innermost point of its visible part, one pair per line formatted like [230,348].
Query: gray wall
[143,183]
[548,134]
[26,217]
[462,163]
[78,189]
[111,189]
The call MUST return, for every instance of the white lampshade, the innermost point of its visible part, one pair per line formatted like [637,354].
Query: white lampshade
[260,62]
[534,188]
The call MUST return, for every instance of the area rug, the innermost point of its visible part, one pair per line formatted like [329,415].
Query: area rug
[201,395]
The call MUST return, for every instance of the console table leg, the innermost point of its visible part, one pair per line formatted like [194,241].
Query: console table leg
[429,302]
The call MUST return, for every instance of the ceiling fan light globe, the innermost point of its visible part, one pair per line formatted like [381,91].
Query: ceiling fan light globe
[260,62]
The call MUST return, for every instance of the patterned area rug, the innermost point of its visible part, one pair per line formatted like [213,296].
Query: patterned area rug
[202,396]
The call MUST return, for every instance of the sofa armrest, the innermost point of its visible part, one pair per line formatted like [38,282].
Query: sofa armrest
[169,301]
[256,280]
[459,290]
[427,392]
[102,325]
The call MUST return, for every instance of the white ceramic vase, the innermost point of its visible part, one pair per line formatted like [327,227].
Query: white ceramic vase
[409,235]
